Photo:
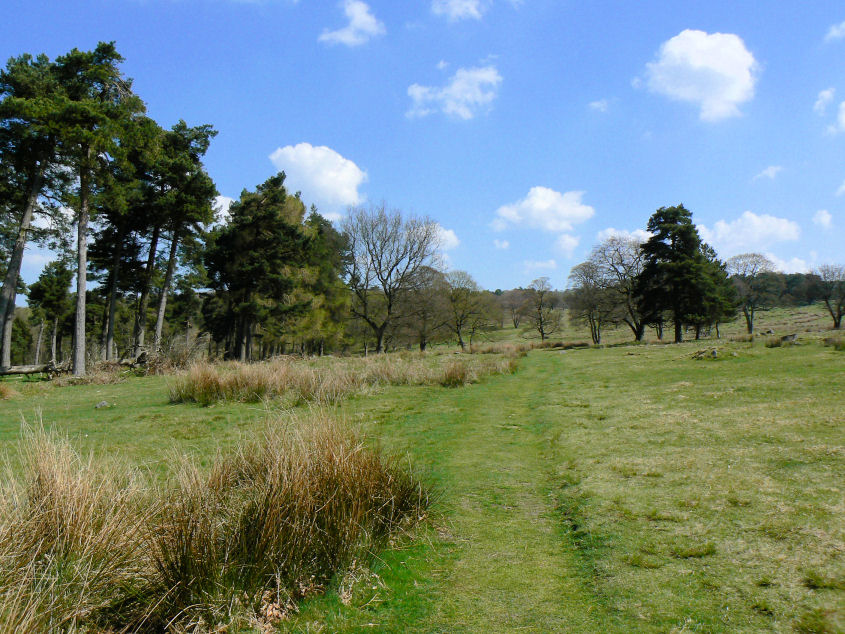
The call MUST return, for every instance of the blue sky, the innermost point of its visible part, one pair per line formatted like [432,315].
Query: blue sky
[528,129]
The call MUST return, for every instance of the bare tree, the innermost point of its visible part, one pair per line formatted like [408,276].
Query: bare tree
[515,302]
[754,286]
[545,308]
[386,253]
[618,261]
[590,300]
[465,304]
[832,285]
[425,308]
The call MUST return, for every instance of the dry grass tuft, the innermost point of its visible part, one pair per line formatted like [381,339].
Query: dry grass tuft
[7,392]
[85,546]
[327,381]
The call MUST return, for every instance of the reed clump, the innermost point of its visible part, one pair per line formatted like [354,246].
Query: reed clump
[328,381]
[94,547]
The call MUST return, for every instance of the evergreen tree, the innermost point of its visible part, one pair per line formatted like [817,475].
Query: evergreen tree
[680,274]
[251,265]
[97,104]
[50,294]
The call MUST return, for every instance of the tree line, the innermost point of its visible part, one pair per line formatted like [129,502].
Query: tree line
[129,205]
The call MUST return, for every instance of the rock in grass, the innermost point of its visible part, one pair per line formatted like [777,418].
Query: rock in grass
[101,404]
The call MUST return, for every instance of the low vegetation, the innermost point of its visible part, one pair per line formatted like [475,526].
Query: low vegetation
[85,545]
[328,381]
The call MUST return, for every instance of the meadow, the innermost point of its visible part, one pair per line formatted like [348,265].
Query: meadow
[623,488]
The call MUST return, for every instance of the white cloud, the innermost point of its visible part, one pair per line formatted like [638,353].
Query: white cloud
[362,26]
[324,177]
[836,32]
[794,265]
[640,235]
[501,244]
[458,9]
[770,172]
[824,100]
[448,239]
[823,219]
[567,244]
[545,209]
[712,70]
[839,126]
[749,232]
[841,190]
[601,105]
[221,209]
[539,265]
[468,91]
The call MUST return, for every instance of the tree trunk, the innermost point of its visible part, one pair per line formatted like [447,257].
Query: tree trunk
[679,331]
[141,315]
[111,305]
[380,338]
[10,283]
[82,270]
[749,320]
[53,337]
[162,302]
[6,342]
[38,343]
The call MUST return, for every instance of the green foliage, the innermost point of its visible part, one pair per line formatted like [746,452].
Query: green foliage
[250,264]
[681,276]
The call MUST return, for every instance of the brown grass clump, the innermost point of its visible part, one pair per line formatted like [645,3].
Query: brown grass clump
[7,392]
[88,547]
[70,540]
[837,343]
[326,381]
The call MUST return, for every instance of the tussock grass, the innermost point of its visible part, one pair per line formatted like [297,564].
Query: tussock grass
[90,546]
[328,381]
[7,392]
[837,343]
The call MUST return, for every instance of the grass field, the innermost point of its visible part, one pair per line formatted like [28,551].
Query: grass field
[618,489]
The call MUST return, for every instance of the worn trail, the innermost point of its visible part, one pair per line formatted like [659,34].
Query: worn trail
[516,568]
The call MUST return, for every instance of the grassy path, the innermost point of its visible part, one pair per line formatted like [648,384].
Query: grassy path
[516,571]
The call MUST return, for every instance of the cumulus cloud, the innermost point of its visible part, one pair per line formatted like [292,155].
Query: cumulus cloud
[501,244]
[567,244]
[794,265]
[458,9]
[362,27]
[712,70]
[221,209]
[823,219]
[539,265]
[824,100]
[469,91]
[448,238]
[835,32]
[545,209]
[324,177]
[770,172]
[640,235]
[600,105]
[749,232]
[841,190]
[839,125]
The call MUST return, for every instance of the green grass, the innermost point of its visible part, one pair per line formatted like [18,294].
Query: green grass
[620,489]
